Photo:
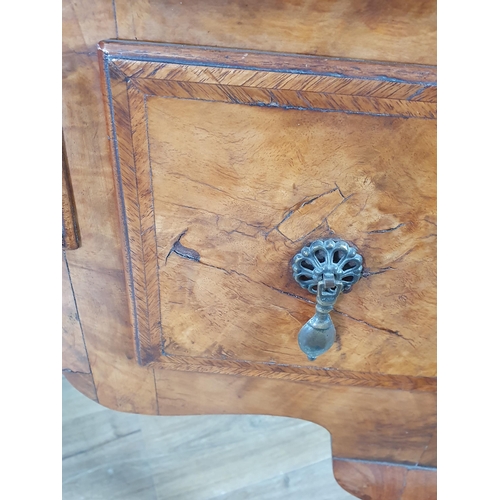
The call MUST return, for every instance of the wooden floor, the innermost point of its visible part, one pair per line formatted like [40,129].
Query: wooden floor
[111,455]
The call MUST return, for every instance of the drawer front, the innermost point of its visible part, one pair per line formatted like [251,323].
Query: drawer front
[228,163]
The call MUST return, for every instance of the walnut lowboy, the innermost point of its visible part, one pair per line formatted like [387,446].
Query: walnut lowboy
[228,165]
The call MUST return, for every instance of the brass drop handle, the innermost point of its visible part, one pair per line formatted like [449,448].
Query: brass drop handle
[326,268]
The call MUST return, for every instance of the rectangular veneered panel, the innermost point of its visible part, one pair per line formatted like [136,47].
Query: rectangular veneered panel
[241,189]
[227,165]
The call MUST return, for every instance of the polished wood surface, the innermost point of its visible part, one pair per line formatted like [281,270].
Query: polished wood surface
[277,80]
[83,383]
[373,481]
[216,199]
[71,233]
[386,32]
[375,424]
[429,456]
[74,353]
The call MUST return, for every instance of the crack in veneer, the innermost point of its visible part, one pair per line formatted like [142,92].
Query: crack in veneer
[190,254]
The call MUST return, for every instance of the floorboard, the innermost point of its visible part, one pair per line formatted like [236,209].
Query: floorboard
[111,455]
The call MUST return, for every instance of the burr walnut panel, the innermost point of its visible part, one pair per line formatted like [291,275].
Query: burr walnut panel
[228,163]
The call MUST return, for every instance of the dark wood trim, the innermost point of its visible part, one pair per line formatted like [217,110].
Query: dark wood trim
[70,230]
